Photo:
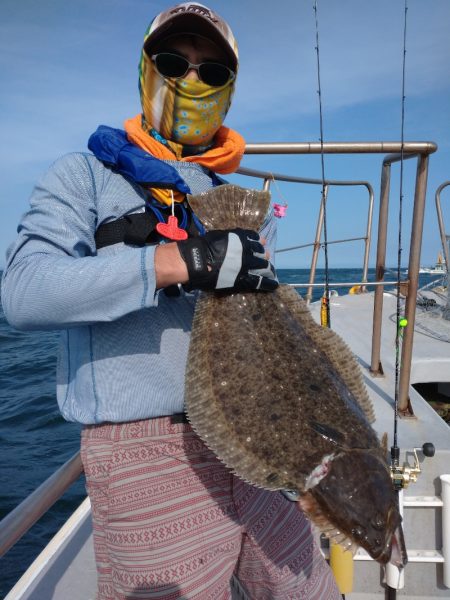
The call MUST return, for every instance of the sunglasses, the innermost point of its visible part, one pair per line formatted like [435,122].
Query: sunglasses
[174,65]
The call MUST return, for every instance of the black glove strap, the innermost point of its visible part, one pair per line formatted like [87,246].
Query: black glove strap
[194,252]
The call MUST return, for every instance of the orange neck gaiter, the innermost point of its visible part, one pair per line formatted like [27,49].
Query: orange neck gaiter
[223,158]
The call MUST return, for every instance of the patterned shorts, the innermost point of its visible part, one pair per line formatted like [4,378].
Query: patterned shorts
[170,521]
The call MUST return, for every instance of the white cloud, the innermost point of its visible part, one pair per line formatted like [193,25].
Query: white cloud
[361,50]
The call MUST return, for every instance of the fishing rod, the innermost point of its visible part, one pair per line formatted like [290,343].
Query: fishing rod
[325,302]
[341,562]
[394,575]
[401,476]
[400,325]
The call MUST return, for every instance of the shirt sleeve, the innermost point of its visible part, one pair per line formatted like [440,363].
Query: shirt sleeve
[54,278]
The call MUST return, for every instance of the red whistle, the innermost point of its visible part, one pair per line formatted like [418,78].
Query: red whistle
[171,230]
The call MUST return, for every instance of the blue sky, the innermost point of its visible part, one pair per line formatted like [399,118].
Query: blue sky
[68,67]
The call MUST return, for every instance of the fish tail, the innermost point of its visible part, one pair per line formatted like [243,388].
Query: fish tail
[230,206]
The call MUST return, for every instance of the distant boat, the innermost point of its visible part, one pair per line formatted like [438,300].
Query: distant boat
[440,268]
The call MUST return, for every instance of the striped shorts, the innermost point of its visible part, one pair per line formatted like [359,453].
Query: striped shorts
[170,521]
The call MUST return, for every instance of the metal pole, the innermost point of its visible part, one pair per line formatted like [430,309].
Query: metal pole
[272,176]
[340,148]
[445,483]
[24,516]
[268,177]
[441,224]
[266,185]
[395,576]
[368,235]
[413,276]
[348,284]
[315,255]
[375,365]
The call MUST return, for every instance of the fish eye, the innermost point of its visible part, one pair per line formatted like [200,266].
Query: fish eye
[378,522]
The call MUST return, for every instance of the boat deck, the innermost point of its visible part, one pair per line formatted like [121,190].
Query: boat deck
[351,318]
[66,568]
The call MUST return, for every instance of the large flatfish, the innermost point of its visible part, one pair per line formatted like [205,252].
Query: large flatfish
[281,400]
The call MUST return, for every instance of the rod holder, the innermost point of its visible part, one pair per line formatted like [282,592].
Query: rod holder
[445,493]
[395,577]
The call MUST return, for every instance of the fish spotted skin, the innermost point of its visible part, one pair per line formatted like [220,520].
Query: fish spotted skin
[357,496]
[273,394]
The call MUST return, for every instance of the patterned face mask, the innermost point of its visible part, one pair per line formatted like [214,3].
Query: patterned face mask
[184,111]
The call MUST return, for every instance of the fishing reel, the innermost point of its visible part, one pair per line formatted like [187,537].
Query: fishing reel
[403,476]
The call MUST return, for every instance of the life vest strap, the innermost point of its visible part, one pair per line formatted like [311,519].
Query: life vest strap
[137,229]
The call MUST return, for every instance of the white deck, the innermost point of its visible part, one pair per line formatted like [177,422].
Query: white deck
[351,317]
[66,568]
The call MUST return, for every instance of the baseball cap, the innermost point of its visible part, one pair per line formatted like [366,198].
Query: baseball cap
[192,18]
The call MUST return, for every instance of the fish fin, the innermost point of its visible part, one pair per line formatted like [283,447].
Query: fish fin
[201,411]
[329,433]
[313,511]
[334,347]
[230,206]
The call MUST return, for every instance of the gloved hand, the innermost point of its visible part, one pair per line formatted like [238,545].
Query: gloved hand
[227,259]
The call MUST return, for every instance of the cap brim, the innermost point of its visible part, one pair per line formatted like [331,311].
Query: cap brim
[190,24]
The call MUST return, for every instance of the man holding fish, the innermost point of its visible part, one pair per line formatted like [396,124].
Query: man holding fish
[112,254]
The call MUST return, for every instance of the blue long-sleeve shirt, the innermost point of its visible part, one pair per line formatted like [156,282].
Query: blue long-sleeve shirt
[123,346]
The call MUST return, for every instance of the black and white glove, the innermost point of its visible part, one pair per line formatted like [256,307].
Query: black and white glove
[227,259]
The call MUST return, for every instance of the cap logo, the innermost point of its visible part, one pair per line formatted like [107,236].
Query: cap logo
[197,9]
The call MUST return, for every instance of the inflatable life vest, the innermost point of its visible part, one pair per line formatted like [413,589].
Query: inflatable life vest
[112,147]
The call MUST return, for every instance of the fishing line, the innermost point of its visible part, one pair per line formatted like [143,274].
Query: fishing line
[322,161]
[279,210]
[399,320]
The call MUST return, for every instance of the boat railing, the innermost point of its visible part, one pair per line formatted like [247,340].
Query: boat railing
[27,513]
[21,519]
[440,217]
[268,178]
[395,152]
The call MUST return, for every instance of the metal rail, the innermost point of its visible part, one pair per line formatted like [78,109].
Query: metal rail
[23,517]
[421,150]
[346,284]
[441,224]
[355,239]
[269,177]
[404,405]
[375,365]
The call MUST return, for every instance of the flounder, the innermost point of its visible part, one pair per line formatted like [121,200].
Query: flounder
[281,401]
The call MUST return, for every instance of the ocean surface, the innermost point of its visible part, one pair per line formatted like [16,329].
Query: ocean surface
[35,440]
